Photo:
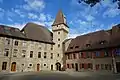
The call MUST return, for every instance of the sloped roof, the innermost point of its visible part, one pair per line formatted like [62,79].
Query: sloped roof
[37,32]
[10,31]
[59,18]
[92,39]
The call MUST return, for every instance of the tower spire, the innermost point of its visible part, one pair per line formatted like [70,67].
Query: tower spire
[60,19]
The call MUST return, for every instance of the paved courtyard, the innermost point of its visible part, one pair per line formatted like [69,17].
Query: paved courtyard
[58,76]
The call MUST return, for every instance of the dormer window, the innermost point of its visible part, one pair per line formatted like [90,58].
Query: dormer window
[71,47]
[87,45]
[76,46]
[102,42]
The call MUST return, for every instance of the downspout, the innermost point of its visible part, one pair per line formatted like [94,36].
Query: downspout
[10,55]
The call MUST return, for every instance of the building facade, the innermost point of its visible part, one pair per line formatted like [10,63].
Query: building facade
[35,48]
[97,51]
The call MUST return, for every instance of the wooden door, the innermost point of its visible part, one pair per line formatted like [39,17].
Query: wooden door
[13,66]
[38,67]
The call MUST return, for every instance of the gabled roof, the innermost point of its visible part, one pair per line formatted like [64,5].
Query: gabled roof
[59,19]
[10,31]
[37,32]
[92,39]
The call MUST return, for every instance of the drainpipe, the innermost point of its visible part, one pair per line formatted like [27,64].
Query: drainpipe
[10,55]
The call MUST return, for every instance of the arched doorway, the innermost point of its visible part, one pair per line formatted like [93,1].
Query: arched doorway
[38,67]
[13,66]
[58,66]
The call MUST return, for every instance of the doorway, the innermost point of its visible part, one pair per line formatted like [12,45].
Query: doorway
[13,66]
[76,66]
[118,67]
[38,67]
[51,67]
[58,66]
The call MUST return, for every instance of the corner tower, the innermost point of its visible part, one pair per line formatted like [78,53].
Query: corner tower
[60,33]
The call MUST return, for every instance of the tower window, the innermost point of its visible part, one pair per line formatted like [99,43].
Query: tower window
[31,54]
[30,64]
[39,54]
[59,39]
[45,55]
[58,32]
[57,55]
[58,45]
[44,64]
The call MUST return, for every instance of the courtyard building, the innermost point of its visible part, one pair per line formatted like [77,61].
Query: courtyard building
[36,48]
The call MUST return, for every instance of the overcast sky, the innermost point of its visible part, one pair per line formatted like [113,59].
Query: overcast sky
[81,18]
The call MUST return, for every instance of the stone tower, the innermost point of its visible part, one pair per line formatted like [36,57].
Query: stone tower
[60,33]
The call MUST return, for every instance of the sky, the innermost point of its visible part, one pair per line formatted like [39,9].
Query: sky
[81,18]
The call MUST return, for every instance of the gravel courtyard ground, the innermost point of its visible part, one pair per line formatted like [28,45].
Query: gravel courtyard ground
[44,75]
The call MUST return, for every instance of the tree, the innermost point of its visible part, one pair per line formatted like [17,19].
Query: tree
[94,2]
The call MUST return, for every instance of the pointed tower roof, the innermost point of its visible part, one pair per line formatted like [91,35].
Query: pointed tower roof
[59,18]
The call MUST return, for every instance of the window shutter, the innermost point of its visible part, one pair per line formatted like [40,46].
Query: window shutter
[102,54]
[84,55]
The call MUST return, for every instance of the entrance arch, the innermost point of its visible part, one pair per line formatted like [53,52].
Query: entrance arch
[38,67]
[58,66]
[13,66]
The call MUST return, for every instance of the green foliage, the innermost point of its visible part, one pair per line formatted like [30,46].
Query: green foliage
[94,2]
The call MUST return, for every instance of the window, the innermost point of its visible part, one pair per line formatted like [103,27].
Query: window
[4,65]
[106,54]
[102,66]
[58,39]
[68,56]
[6,52]
[45,55]
[44,64]
[23,53]
[30,64]
[71,47]
[106,66]
[90,65]
[72,65]
[97,54]
[117,52]
[74,56]
[102,42]
[87,45]
[51,55]
[58,55]
[31,54]
[82,65]
[76,46]
[58,32]
[82,55]
[15,53]
[39,54]
[68,66]
[7,41]
[58,45]
[16,43]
